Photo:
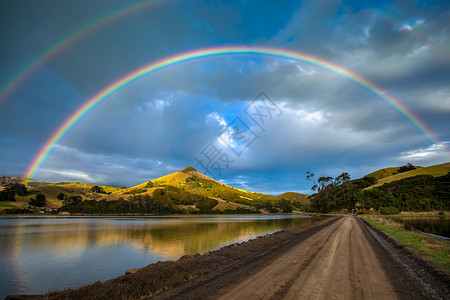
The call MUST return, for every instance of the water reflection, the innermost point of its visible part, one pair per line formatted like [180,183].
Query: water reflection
[49,253]
[434,225]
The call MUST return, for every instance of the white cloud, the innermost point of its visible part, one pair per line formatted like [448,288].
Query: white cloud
[426,154]
[65,175]
[215,116]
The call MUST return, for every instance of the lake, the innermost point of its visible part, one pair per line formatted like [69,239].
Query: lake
[434,225]
[40,254]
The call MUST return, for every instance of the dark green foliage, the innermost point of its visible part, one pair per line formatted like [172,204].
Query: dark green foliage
[237,210]
[423,192]
[389,211]
[285,206]
[149,184]
[16,189]
[206,205]
[268,205]
[405,168]
[364,182]
[61,196]
[443,188]
[135,204]
[187,169]
[12,189]
[20,211]
[7,195]
[73,200]
[97,189]
[39,201]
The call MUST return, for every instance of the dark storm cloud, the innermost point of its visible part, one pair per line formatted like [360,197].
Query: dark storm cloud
[158,123]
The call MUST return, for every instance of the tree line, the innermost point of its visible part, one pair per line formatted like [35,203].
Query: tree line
[422,192]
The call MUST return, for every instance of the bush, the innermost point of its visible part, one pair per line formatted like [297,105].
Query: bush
[16,189]
[73,200]
[61,196]
[285,206]
[97,189]
[6,195]
[39,201]
[405,168]
[389,211]
[185,170]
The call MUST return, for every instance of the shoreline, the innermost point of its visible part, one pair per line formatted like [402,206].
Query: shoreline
[226,268]
[166,275]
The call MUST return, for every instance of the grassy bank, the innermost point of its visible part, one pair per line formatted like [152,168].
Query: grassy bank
[431,248]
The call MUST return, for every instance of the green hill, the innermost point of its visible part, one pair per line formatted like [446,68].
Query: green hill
[186,189]
[384,177]
[191,181]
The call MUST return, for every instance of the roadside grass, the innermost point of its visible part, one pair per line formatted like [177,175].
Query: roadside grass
[432,248]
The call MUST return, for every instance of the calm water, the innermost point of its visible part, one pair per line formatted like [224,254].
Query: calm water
[435,225]
[39,254]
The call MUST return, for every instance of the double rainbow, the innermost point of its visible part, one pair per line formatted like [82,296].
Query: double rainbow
[229,50]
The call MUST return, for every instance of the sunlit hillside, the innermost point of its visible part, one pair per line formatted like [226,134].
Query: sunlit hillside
[185,189]
[384,177]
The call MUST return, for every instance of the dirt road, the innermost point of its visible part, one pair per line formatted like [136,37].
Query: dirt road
[344,260]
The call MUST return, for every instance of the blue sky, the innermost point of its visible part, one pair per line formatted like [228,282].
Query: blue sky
[164,121]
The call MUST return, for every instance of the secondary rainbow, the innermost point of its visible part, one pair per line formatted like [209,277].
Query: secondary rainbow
[217,51]
[69,40]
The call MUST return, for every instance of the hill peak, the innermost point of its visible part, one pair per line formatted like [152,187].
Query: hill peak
[189,169]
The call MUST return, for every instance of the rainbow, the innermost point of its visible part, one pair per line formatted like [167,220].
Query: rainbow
[69,40]
[229,50]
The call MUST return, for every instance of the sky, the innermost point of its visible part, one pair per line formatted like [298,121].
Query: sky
[255,122]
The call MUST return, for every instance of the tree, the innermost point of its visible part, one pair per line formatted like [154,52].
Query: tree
[39,201]
[73,200]
[285,205]
[310,177]
[16,189]
[324,182]
[7,195]
[61,196]
[405,168]
[97,189]
[341,179]
[268,205]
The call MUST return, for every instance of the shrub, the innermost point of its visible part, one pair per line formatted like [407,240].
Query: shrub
[97,189]
[389,210]
[61,196]
[39,201]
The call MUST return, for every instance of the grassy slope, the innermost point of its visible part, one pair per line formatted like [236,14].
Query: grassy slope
[433,249]
[51,190]
[436,170]
[383,173]
[5,205]
[203,185]
[292,196]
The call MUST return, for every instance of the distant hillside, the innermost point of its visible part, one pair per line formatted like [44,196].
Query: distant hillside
[192,181]
[383,173]
[185,190]
[436,170]
[4,180]
[293,196]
